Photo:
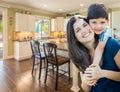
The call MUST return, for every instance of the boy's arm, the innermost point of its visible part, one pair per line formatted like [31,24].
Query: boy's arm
[101,45]
[99,52]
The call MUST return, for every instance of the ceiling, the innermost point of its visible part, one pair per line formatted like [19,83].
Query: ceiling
[62,6]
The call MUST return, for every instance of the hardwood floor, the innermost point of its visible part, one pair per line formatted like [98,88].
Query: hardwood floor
[16,77]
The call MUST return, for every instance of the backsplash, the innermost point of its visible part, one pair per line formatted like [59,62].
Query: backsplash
[22,36]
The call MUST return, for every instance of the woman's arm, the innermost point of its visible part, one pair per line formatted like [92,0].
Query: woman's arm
[117,59]
[111,75]
[96,72]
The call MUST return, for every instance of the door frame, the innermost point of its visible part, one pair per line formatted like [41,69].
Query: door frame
[5,32]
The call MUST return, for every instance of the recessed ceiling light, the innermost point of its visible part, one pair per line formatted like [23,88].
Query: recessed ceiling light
[45,5]
[81,5]
[60,10]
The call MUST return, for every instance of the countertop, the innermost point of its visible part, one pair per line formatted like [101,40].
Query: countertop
[21,40]
[61,43]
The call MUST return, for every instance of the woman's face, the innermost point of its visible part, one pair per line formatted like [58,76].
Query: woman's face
[83,31]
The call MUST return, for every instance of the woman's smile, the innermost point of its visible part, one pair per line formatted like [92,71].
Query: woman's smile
[86,35]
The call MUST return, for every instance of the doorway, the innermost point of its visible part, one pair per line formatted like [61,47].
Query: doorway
[4,36]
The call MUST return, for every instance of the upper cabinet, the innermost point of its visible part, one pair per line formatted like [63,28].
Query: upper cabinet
[65,23]
[116,22]
[31,23]
[53,26]
[59,24]
[24,22]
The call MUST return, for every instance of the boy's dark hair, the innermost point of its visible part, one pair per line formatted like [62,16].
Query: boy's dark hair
[96,11]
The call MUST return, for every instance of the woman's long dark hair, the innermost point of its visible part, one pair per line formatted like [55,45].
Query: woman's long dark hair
[77,52]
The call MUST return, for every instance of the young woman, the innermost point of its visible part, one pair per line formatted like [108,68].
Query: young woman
[81,45]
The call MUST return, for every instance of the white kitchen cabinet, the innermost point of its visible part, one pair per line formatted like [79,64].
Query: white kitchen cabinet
[53,25]
[60,23]
[31,23]
[116,22]
[22,50]
[65,23]
[57,24]
[20,22]
[24,22]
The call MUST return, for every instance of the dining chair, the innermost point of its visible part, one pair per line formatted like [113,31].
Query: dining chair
[52,58]
[37,54]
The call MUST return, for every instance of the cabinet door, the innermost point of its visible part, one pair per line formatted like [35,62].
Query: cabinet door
[116,22]
[53,25]
[22,50]
[25,50]
[65,23]
[16,50]
[28,51]
[31,23]
[60,23]
[21,22]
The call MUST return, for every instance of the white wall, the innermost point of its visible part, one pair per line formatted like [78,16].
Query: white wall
[116,22]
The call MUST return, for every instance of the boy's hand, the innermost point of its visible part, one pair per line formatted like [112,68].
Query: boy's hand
[93,74]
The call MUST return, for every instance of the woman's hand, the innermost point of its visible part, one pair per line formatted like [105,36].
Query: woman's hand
[93,74]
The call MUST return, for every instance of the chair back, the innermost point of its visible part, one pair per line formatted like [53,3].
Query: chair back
[35,47]
[50,52]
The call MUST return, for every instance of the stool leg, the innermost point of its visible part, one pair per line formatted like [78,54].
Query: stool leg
[40,68]
[46,72]
[69,70]
[33,64]
[56,82]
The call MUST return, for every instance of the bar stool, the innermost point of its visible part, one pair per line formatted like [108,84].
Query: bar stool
[37,54]
[55,60]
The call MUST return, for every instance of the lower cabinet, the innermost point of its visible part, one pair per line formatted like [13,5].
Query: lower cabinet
[22,50]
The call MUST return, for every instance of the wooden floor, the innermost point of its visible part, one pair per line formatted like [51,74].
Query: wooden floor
[16,77]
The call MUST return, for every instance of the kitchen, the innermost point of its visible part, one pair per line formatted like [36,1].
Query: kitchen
[11,35]
[62,18]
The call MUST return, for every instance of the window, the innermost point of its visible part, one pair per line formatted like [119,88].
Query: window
[42,28]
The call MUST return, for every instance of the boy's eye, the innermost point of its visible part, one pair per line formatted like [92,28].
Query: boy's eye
[103,22]
[93,22]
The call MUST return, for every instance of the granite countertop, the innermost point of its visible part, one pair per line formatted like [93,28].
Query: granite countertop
[21,40]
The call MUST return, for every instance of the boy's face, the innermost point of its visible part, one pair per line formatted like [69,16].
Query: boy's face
[98,25]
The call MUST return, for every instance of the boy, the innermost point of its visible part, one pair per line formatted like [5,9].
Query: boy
[97,16]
